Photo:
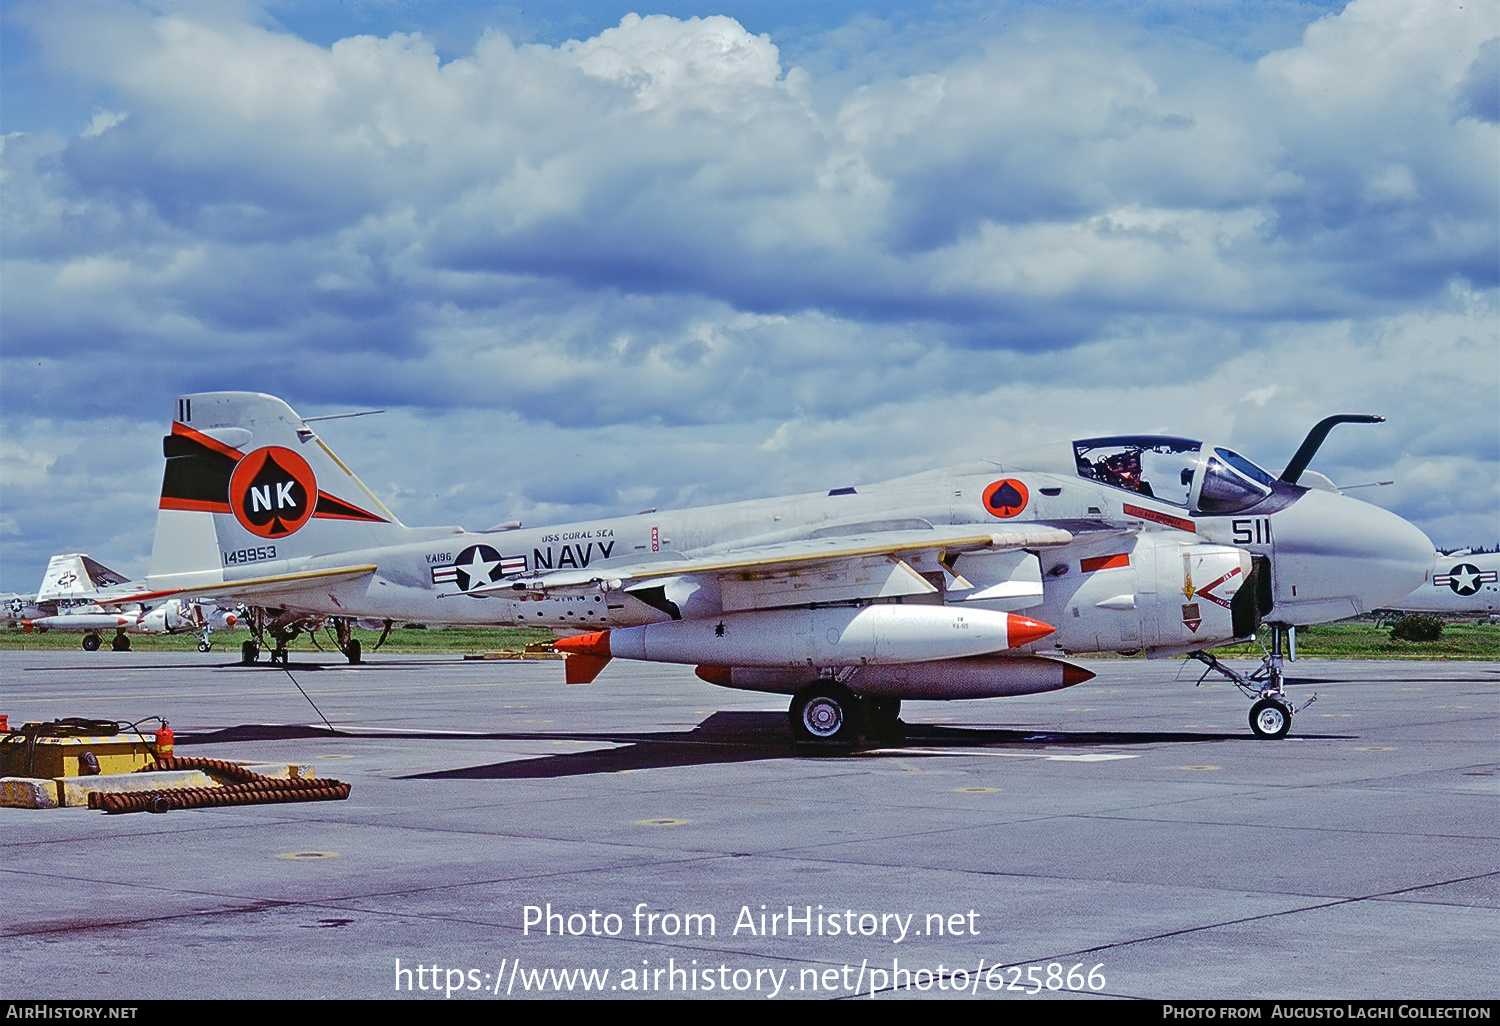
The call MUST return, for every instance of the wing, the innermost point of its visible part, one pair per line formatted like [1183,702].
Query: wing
[879,564]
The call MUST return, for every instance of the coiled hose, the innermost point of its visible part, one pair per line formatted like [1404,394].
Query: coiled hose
[244,788]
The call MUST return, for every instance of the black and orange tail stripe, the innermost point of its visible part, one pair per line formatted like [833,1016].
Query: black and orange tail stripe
[197,473]
[196,479]
[329,508]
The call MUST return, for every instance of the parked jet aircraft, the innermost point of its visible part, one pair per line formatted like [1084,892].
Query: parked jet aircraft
[70,580]
[848,601]
[81,594]
[1461,583]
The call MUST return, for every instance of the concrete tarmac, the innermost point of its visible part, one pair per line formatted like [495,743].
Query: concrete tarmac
[653,835]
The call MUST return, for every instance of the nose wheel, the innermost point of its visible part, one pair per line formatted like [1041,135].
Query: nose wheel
[1271,715]
[1270,719]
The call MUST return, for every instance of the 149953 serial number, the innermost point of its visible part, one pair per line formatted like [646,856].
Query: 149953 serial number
[254,555]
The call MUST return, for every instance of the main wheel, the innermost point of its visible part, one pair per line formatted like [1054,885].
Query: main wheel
[1270,719]
[249,653]
[204,646]
[91,642]
[826,714]
[353,650]
[120,644]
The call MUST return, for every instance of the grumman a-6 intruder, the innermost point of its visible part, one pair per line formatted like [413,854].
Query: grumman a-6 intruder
[969,582]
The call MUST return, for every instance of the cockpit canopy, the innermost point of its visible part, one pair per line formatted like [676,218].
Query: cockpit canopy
[1180,471]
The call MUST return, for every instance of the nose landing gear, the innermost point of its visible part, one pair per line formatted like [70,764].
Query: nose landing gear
[1271,715]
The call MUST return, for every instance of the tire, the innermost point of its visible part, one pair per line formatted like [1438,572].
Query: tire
[120,644]
[1270,719]
[91,642]
[204,646]
[826,714]
[353,651]
[249,653]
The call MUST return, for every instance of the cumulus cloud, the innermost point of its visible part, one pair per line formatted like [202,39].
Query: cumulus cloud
[666,243]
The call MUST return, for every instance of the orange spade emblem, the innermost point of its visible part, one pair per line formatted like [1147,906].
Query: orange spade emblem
[1006,498]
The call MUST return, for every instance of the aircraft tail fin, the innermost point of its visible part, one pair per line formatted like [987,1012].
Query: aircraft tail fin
[248,486]
[103,576]
[67,577]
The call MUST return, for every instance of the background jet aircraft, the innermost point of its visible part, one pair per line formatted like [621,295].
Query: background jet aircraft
[1462,583]
[81,594]
[968,582]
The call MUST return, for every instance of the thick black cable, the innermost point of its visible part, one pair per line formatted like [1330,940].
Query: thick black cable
[310,702]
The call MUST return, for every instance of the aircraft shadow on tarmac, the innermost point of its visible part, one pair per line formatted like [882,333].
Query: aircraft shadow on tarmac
[724,737]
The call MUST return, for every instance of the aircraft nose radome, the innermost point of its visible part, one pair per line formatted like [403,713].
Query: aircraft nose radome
[1022,630]
[1336,545]
[1403,553]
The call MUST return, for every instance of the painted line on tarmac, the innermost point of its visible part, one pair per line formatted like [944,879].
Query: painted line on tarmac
[1091,757]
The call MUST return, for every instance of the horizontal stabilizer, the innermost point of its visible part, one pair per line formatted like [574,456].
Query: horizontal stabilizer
[278,586]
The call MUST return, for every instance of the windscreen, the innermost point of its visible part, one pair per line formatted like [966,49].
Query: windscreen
[1232,483]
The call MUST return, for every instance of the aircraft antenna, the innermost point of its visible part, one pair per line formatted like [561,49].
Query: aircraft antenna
[341,416]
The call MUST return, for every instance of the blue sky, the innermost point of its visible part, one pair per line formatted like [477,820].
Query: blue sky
[602,256]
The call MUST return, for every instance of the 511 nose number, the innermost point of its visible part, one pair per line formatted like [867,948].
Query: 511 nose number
[1252,531]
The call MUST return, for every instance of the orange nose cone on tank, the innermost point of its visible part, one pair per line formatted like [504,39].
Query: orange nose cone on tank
[596,644]
[1022,630]
[1075,675]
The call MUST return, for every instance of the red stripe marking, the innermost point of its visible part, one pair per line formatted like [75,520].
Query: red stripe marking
[193,505]
[1166,519]
[364,519]
[1088,566]
[349,511]
[1207,590]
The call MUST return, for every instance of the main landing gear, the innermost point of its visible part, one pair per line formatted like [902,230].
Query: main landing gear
[827,713]
[282,628]
[1271,715]
[250,650]
[343,636]
[92,642]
